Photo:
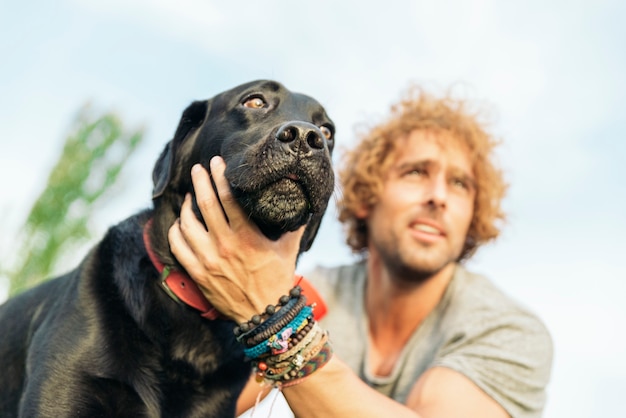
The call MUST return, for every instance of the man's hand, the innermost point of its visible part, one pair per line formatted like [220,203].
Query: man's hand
[238,269]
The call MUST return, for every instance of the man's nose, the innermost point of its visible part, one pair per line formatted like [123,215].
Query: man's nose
[437,194]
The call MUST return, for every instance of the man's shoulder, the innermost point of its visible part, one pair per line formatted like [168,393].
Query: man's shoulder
[479,306]
[477,292]
[496,341]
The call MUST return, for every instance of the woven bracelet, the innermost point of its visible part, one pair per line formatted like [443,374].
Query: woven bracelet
[299,351]
[265,346]
[312,365]
[301,366]
[298,346]
[275,323]
[288,368]
[247,328]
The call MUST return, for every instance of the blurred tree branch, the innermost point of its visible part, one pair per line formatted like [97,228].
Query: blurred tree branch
[92,158]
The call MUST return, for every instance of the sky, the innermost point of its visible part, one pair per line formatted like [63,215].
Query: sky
[551,75]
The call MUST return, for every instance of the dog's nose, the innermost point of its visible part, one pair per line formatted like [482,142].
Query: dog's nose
[297,134]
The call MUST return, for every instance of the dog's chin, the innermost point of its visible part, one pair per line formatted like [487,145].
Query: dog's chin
[280,207]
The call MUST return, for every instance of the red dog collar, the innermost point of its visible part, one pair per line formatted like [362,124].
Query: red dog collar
[180,287]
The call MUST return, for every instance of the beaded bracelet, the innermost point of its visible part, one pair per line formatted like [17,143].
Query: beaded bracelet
[275,323]
[283,360]
[285,343]
[276,370]
[300,367]
[266,346]
[288,368]
[279,343]
[312,331]
[285,303]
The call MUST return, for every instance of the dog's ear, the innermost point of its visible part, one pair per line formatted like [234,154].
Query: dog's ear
[192,118]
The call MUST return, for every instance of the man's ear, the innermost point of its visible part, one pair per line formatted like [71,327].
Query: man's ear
[163,172]
[362,213]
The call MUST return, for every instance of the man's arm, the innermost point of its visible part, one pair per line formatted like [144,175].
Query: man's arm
[242,272]
[443,392]
[335,391]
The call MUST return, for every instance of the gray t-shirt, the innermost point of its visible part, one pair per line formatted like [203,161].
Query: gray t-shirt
[475,329]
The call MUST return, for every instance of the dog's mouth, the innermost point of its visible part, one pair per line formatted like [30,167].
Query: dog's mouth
[284,201]
[279,206]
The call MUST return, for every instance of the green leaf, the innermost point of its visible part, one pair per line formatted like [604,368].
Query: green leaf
[93,156]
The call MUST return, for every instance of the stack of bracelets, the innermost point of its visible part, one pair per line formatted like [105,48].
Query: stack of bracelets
[284,343]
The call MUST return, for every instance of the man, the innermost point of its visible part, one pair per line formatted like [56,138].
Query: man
[414,333]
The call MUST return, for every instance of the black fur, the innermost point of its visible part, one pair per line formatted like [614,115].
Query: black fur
[104,340]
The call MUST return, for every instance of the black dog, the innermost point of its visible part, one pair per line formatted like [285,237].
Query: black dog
[105,340]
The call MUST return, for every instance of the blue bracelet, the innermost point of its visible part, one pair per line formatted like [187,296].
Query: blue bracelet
[264,346]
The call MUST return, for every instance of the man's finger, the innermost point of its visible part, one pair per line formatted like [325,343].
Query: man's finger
[235,214]
[192,230]
[182,251]
[208,202]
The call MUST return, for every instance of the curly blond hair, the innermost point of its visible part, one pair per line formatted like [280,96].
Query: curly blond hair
[365,166]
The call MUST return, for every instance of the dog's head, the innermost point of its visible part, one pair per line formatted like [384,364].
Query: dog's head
[277,147]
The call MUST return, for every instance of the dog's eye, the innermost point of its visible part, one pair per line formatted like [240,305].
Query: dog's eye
[255,103]
[326,131]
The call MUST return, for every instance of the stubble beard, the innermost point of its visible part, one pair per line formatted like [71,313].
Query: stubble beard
[410,268]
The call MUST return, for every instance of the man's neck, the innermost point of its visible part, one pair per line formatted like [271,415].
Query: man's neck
[396,308]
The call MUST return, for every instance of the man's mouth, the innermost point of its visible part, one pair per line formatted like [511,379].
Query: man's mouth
[427,229]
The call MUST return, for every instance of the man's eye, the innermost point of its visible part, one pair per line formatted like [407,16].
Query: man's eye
[416,172]
[255,103]
[461,184]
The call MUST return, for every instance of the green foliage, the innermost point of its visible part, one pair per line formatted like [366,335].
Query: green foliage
[92,157]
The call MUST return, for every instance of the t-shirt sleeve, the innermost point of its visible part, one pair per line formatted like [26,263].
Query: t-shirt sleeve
[509,357]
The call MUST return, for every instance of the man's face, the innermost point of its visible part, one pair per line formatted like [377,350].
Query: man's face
[421,220]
